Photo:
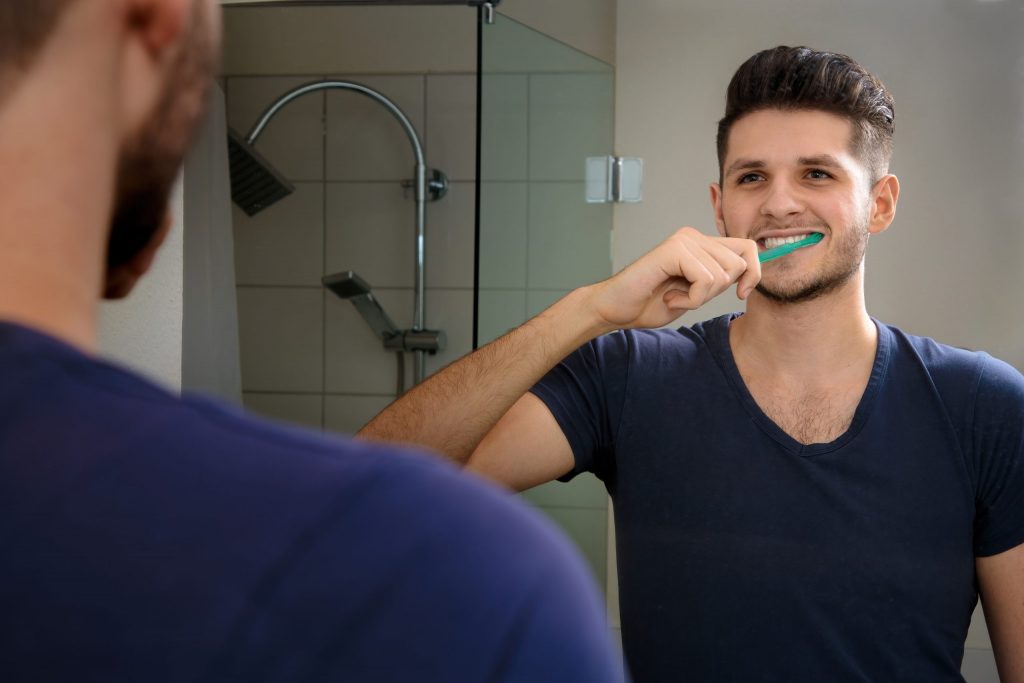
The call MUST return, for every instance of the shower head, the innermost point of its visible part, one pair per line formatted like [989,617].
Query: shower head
[255,184]
[348,285]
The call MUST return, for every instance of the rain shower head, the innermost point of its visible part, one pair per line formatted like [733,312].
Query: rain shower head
[255,184]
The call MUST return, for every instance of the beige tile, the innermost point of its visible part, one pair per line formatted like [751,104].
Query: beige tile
[500,310]
[584,491]
[284,243]
[450,310]
[514,46]
[371,230]
[364,139]
[451,238]
[570,120]
[298,409]
[503,234]
[357,362]
[293,140]
[451,125]
[281,339]
[503,138]
[569,240]
[348,414]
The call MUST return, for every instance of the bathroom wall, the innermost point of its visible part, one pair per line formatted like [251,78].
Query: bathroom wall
[949,267]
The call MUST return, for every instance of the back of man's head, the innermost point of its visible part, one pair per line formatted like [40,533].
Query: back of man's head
[24,27]
[799,78]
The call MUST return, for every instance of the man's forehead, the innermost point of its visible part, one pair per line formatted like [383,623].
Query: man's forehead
[790,137]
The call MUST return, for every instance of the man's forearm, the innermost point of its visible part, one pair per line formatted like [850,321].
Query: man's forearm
[453,410]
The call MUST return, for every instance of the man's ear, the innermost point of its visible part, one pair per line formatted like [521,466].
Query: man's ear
[121,279]
[884,196]
[152,32]
[716,204]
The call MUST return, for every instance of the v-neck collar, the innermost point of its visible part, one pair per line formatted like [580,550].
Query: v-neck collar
[718,338]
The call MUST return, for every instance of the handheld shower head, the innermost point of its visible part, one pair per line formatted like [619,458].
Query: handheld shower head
[348,285]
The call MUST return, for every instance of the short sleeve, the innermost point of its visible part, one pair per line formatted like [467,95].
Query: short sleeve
[585,393]
[997,454]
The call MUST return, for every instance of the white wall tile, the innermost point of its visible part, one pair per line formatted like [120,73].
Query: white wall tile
[281,339]
[299,409]
[504,140]
[584,491]
[570,120]
[500,310]
[364,140]
[371,230]
[539,299]
[451,125]
[503,221]
[348,414]
[451,237]
[450,310]
[357,362]
[979,666]
[569,240]
[293,140]
[284,243]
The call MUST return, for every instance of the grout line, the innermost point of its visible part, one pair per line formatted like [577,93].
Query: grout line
[528,193]
[323,251]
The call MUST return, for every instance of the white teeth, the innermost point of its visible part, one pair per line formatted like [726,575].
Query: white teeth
[772,242]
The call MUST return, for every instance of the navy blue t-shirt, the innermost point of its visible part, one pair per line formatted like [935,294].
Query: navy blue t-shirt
[746,556]
[148,538]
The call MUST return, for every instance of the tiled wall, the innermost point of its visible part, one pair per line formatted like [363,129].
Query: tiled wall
[306,355]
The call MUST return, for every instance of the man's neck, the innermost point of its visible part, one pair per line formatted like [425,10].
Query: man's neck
[813,342]
[55,200]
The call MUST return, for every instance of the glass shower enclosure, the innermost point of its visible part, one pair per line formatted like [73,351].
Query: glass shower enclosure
[544,107]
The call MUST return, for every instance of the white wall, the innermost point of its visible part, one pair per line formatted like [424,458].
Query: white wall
[949,267]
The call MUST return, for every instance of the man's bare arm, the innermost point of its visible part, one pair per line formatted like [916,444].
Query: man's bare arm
[1001,579]
[456,408]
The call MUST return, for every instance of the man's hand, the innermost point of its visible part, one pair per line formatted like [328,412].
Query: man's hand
[681,274]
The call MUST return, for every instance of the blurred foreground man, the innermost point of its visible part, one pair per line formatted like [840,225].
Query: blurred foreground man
[148,538]
[802,493]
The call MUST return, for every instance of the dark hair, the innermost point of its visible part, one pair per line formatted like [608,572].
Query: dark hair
[24,27]
[799,78]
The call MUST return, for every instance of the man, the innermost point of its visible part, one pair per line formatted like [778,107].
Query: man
[801,493]
[149,538]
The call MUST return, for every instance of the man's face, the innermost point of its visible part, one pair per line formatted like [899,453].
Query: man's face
[788,174]
[150,161]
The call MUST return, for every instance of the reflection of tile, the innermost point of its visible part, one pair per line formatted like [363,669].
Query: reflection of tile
[299,409]
[281,339]
[503,234]
[371,230]
[293,141]
[451,125]
[503,140]
[584,491]
[539,299]
[450,310]
[284,243]
[500,311]
[451,238]
[979,665]
[570,120]
[357,361]
[348,414]
[570,240]
[364,139]
[589,530]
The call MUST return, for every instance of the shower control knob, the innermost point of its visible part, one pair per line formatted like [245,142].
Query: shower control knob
[430,341]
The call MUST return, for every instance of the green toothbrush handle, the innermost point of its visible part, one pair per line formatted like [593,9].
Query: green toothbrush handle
[783,249]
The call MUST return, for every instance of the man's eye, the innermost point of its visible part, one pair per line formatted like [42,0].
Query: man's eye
[818,174]
[748,178]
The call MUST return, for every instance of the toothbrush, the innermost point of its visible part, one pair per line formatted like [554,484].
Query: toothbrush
[783,249]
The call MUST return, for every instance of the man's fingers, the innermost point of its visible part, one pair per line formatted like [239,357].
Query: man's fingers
[747,250]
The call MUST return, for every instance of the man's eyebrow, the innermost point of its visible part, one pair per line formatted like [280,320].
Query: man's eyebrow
[820,160]
[744,165]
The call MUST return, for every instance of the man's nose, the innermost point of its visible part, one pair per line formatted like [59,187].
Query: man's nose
[781,201]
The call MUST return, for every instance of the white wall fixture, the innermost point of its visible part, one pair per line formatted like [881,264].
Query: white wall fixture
[614,179]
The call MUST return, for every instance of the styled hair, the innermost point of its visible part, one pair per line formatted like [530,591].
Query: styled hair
[799,78]
[24,27]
